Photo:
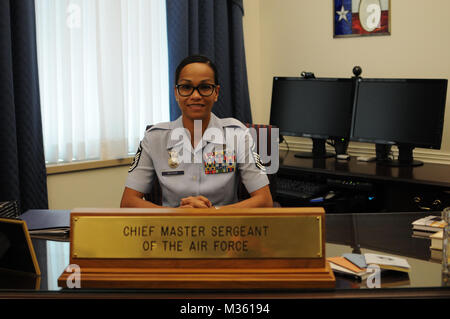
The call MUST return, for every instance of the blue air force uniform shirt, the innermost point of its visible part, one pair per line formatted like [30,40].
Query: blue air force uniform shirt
[210,170]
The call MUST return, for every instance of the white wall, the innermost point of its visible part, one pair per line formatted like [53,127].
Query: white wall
[91,188]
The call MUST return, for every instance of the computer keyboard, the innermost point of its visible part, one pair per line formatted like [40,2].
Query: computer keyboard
[298,188]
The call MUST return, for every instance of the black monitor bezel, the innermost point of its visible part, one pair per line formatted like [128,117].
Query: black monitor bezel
[436,145]
[310,134]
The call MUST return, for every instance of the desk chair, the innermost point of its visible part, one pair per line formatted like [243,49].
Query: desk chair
[155,195]
[242,191]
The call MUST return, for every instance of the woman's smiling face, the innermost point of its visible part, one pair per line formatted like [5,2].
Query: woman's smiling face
[196,106]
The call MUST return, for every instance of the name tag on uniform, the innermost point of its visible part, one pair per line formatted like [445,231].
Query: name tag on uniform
[171,173]
[219,162]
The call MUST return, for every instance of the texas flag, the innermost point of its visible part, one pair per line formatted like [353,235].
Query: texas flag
[358,17]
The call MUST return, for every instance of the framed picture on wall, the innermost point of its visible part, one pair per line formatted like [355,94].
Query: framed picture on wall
[361,18]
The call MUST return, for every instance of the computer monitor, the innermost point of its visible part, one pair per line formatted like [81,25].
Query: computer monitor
[317,108]
[406,112]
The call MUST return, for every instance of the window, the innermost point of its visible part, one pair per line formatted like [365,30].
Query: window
[103,73]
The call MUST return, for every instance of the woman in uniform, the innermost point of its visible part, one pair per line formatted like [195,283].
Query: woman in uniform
[197,158]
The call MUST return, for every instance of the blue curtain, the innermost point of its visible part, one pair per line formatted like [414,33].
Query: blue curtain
[212,28]
[22,165]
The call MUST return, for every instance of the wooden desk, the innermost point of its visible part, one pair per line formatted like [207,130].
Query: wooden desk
[387,233]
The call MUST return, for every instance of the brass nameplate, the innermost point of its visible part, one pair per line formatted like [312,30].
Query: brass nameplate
[191,237]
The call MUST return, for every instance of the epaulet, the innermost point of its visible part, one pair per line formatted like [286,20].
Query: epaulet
[232,122]
[159,126]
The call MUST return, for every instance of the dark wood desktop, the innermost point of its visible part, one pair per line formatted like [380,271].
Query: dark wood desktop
[386,233]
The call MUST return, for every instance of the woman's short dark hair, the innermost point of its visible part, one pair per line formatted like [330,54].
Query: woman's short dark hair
[196,59]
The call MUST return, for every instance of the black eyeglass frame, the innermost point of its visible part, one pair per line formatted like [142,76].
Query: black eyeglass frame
[214,86]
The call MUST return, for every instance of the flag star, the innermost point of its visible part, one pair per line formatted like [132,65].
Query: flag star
[342,14]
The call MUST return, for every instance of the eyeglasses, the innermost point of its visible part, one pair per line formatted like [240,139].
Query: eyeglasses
[203,89]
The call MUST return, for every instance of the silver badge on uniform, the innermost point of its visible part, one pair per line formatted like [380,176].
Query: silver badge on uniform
[173,160]
[258,162]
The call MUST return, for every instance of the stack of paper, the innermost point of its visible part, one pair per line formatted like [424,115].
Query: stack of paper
[436,240]
[427,226]
[355,265]
[436,246]
[44,223]
[388,262]
[356,259]
[343,266]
